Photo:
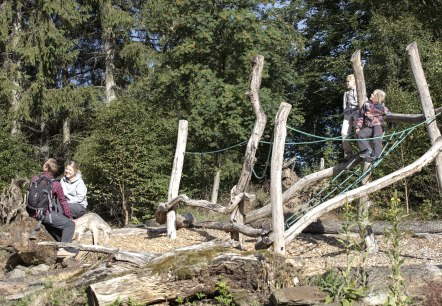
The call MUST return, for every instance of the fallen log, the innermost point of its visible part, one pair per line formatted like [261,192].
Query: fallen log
[232,228]
[140,258]
[187,276]
[163,208]
[378,227]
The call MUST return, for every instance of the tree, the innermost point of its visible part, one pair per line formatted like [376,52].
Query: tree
[126,161]
[333,31]
[203,58]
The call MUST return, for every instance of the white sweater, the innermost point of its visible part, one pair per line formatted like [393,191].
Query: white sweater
[74,192]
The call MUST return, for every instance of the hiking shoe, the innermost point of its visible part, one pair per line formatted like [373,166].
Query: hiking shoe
[65,254]
[364,154]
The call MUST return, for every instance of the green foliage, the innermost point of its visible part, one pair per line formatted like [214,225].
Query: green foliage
[347,286]
[56,297]
[204,64]
[126,160]
[16,159]
[224,296]
[397,295]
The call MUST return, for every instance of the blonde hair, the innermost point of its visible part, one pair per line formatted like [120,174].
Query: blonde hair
[74,165]
[50,165]
[380,94]
[350,77]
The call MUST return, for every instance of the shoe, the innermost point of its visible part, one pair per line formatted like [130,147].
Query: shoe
[364,154]
[347,156]
[65,254]
[369,159]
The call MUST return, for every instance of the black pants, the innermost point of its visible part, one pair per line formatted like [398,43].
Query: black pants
[77,210]
[369,132]
[61,228]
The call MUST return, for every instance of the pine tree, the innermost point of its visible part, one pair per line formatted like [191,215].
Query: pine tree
[201,71]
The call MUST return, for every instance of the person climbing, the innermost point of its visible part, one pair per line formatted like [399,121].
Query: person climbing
[369,124]
[351,113]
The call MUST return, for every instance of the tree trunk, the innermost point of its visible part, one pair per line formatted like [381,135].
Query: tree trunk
[361,91]
[371,245]
[215,188]
[67,138]
[16,71]
[252,145]
[427,104]
[109,52]
[276,176]
[175,177]
[299,185]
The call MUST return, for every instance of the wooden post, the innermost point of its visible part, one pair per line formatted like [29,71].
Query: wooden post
[275,177]
[322,164]
[361,91]
[215,188]
[427,104]
[371,245]
[175,177]
[237,216]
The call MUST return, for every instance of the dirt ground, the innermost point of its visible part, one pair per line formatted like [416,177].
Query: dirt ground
[315,253]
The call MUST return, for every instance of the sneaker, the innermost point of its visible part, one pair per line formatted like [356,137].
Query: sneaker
[65,254]
[364,154]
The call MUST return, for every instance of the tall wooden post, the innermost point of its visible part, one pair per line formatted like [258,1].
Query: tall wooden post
[358,71]
[175,177]
[427,104]
[215,188]
[276,176]
[370,241]
[237,215]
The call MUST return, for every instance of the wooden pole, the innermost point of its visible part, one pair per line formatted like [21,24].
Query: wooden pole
[322,164]
[361,91]
[237,215]
[215,188]
[427,104]
[175,177]
[275,177]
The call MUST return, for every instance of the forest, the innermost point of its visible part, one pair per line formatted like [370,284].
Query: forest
[105,82]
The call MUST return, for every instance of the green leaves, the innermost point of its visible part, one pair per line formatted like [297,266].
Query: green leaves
[126,161]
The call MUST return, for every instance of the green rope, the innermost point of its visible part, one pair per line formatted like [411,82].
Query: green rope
[317,200]
[217,151]
[323,139]
[266,165]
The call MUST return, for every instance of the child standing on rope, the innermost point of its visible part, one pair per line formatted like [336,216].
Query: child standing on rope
[369,124]
[351,113]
